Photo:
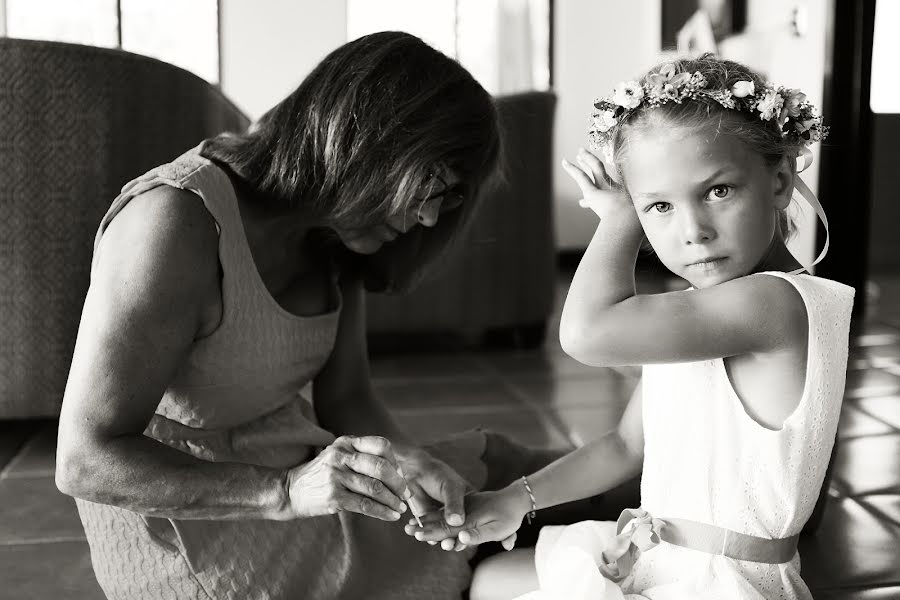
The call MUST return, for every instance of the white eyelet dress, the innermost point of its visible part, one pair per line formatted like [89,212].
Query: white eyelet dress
[707,460]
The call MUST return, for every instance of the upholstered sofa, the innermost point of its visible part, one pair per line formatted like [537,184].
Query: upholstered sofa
[76,123]
[501,279]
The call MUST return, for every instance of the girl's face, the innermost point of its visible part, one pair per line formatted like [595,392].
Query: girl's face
[438,195]
[708,204]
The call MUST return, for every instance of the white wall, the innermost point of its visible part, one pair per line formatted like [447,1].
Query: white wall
[601,42]
[771,46]
[268,46]
[597,44]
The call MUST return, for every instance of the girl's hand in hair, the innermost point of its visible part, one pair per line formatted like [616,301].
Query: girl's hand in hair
[600,192]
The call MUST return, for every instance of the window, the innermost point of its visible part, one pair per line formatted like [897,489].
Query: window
[505,44]
[183,33]
[885,87]
[91,22]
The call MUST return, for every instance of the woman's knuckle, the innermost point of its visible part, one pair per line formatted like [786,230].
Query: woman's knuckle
[366,505]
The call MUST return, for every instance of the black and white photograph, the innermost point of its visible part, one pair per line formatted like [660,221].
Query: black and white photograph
[449,300]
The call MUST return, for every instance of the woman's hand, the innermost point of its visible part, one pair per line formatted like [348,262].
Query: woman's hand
[492,517]
[600,192]
[434,484]
[354,474]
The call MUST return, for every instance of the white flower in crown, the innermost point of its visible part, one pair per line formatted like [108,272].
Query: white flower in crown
[666,85]
[770,105]
[628,94]
[604,120]
[742,89]
[804,124]
[793,102]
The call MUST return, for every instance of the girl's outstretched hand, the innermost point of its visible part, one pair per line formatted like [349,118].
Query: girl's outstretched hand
[601,193]
[490,517]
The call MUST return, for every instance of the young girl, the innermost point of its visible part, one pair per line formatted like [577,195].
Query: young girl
[743,375]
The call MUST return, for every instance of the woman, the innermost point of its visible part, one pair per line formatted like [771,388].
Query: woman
[226,282]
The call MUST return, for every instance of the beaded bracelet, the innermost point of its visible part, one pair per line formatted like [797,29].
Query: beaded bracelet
[531,514]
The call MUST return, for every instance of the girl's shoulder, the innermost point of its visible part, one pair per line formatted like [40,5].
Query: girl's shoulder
[814,288]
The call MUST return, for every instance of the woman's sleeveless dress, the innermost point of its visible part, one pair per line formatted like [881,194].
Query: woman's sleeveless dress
[237,398]
[707,460]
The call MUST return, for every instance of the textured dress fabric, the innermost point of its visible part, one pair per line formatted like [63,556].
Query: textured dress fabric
[707,460]
[238,398]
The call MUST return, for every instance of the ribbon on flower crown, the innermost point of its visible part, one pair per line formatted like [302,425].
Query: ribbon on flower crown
[804,160]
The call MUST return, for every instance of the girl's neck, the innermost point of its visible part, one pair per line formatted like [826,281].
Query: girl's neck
[777,258]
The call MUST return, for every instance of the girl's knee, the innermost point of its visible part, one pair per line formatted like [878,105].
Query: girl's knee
[505,576]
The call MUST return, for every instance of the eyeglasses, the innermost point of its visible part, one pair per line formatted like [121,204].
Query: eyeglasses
[452,195]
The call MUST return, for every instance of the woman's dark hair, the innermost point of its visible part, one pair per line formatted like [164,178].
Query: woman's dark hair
[354,142]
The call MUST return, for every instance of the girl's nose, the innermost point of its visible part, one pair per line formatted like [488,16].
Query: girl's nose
[696,228]
[428,212]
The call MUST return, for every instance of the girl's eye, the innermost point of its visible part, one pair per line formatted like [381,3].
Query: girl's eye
[719,191]
[661,207]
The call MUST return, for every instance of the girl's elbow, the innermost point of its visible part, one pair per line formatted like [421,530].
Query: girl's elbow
[576,342]
[74,476]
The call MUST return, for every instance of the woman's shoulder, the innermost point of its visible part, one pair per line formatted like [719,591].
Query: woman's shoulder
[167,224]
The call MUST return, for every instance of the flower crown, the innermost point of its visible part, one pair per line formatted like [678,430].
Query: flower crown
[797,118]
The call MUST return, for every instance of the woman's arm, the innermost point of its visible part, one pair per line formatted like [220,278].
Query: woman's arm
[605,324]
[344,400]
[152,292]
[346,404]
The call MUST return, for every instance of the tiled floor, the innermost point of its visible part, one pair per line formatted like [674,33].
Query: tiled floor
[540,397]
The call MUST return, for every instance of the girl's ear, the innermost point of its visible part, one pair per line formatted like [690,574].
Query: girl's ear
[784,183]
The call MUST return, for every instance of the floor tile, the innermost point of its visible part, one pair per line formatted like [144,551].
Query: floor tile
[851,547]
[871,382]
[869,464]
[883,408]
[12,436]
[884,505]
[425,366]
[37,457]
[525,426]
[582,425]
[540,363]
[870,338]
[889,351]
[45,571]
[603,387]
[879,593]
[856,423]
[32,509]
[446,395]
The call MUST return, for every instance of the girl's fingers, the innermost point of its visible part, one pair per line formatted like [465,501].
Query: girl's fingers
[581,178]
[509,543]
[436,532]
[595,167]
